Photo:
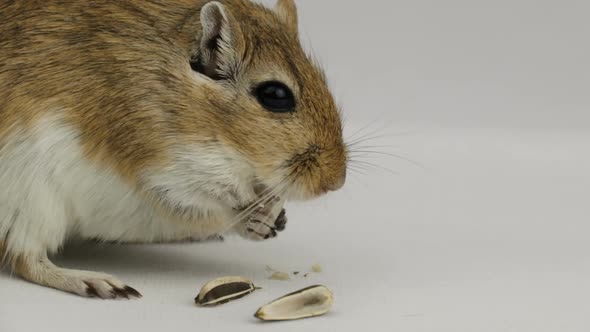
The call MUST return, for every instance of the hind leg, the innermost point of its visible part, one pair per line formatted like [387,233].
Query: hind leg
[26,254]
[35,224]
[42,271]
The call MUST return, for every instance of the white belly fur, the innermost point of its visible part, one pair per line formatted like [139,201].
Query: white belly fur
[50,192]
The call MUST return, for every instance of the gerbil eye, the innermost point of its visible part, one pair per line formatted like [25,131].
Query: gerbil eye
[275,97]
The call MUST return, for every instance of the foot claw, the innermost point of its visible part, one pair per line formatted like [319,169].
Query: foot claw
[90,290]
[133,292]
[119,292]
[95,289]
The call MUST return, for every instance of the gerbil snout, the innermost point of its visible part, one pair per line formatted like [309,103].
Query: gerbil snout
[333,180]
[338,183]
[319,170]
[334,170]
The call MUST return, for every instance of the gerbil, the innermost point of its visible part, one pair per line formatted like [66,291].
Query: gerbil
[154,121]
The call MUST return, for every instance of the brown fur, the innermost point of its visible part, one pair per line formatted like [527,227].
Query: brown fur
[120,72]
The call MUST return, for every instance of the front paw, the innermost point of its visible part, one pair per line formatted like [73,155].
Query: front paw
[264,225]
[260,227]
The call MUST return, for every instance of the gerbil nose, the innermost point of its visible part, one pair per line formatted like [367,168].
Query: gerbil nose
[339,183]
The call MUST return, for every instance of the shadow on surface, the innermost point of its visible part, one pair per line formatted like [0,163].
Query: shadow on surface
[154,259]
[200,259]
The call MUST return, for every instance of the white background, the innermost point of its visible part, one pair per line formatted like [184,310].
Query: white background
[486,229]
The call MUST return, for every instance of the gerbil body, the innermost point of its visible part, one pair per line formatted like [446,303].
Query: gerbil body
[154,121]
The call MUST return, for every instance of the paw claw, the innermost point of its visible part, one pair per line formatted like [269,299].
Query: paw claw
[133,292]
[119,292]
[90,290]
[281,222]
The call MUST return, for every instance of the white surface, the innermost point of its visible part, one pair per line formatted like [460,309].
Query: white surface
[489,234]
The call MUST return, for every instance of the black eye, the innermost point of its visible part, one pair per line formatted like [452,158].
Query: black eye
[275,97]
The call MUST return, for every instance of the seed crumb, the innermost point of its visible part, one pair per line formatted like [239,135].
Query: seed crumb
[317,268]
[281,276]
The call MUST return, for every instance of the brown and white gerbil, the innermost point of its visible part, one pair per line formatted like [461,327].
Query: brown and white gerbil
[154,121]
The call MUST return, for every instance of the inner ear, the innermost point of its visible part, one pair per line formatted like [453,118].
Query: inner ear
[221,42]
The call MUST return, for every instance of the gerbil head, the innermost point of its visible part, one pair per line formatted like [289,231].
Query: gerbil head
[273,100]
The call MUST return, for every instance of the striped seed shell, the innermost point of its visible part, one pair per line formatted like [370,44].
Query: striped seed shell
[223,290]
[309,302]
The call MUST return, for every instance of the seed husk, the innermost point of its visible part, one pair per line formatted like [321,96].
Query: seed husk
[223,290]
[309,302]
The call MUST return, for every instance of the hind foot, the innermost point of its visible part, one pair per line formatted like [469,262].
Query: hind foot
[84,283]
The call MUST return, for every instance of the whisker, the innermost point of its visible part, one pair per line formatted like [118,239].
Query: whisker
[368,125]
[360,171]
[374,166]
[369,138]
[265,198]
[384,147]
[365,153]
[262,197]
[377,134]
[360,167]
[250,210]
[365,137]
[378,120]
[373,152]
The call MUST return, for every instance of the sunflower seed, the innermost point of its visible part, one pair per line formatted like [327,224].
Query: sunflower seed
[309,302]
[223,290]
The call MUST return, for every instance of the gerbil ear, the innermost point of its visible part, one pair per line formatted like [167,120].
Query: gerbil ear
[287,12]
[222,42]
